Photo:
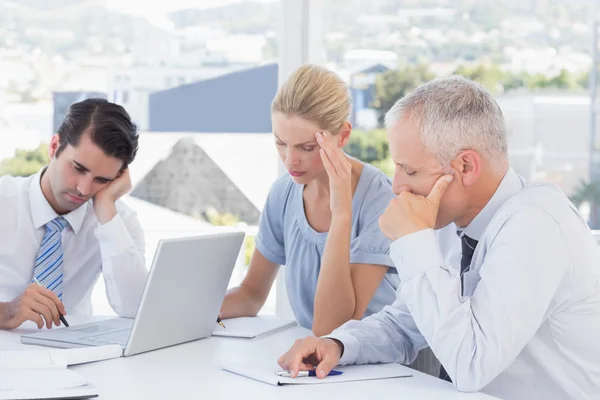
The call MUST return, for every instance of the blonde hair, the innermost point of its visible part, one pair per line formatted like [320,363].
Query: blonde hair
[317,95]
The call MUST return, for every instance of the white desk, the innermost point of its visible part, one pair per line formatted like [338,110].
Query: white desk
[192,370]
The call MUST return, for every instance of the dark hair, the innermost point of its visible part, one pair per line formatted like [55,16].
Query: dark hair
[109,125]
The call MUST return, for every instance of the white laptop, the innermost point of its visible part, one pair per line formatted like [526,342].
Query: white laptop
[181,300]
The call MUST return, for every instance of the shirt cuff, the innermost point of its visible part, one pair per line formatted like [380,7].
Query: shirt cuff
[351,346]
[267,253]
[416,253]
[362,257]
[114,237]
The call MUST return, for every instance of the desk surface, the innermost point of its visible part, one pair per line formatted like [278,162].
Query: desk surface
[192,370]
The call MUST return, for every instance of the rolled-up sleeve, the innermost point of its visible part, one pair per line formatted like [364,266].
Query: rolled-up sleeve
[122,247]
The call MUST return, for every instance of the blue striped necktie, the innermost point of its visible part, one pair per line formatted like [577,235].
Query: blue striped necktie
[48,265]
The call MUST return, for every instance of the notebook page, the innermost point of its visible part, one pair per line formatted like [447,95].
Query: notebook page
[250,327]
[85,392]
[32,359]
[46,380]
[351,373]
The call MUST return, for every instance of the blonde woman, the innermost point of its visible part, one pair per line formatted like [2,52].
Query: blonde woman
[321,218]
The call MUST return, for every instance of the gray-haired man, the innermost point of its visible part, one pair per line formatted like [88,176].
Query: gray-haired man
[514,309]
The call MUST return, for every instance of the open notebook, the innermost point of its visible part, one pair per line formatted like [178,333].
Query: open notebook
[351,373]
[41,375]
[252,327]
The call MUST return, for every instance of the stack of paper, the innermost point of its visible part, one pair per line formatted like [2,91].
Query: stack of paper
[40,375]
[81,355]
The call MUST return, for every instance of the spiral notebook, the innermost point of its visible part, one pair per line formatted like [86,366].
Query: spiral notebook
[28,375]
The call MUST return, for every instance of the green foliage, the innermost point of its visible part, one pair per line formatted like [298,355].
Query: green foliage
[394,84]
[25,162]
[213,217]
[564,80]
[371,147]
[492,77]
[249,245]
[386,166]
[368,146]
[587,192]
[584,80]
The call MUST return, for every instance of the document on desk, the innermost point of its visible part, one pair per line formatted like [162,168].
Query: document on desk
[82,355]
[41,375]
[351,373]
[252,327]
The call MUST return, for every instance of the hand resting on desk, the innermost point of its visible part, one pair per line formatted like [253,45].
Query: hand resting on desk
[310,353]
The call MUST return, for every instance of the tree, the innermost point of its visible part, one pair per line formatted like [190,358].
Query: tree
[386,166]
[212,216]
[491,77]
[368,146]
[565,80]
[487,77]
[371,147]
[394,84]
[584,80]
[589,192]
[25,162]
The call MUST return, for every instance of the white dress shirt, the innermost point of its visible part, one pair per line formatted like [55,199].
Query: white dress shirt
[116,248]
[528,326]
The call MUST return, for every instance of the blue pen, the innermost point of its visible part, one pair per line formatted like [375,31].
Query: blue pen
[302,374]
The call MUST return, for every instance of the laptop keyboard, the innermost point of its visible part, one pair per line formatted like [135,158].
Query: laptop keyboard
[115,337]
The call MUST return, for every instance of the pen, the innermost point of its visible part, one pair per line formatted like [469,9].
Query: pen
[302,374]
[62,317]
[220,322]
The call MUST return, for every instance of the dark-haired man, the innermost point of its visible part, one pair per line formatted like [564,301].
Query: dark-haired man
[64,225]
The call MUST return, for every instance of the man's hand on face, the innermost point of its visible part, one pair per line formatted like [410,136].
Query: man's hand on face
[409,213]
[104,200]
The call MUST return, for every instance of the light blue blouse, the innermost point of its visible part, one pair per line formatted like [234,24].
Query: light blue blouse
[286,238]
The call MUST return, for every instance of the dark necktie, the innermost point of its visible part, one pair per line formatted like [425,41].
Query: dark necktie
[468,248]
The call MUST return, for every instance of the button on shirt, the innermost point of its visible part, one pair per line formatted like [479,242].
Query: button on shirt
[528,325]
[116,248]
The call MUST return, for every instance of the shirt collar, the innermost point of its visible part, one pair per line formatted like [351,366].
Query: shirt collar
[511,184]
[42,212]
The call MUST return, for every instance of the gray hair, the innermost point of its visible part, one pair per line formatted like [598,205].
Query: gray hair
[455,114]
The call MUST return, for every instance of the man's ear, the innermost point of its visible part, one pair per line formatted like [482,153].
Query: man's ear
[467,167]
[53,146]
